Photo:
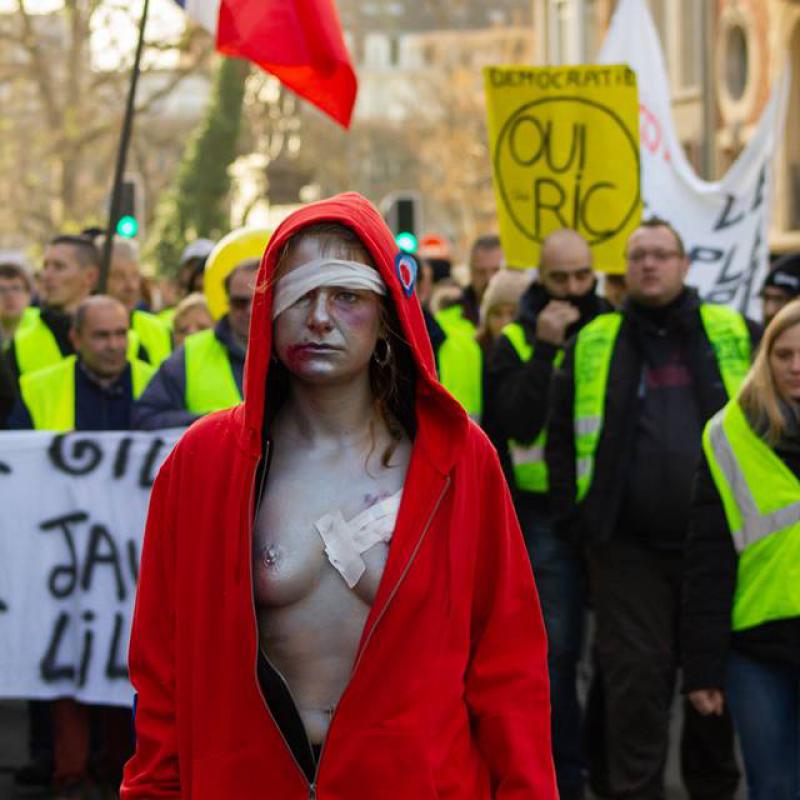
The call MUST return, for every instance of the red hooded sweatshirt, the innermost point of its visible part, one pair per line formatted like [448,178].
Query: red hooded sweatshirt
[448,697]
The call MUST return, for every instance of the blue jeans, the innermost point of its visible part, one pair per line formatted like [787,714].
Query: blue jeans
[561,583]
[764,698]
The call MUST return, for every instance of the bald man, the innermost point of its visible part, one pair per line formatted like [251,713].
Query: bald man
[93,389]
[553,309]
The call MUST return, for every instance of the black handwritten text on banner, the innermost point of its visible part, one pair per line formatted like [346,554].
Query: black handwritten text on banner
[70,536]
[565,154]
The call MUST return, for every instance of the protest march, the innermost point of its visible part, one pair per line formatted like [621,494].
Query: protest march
[400,401]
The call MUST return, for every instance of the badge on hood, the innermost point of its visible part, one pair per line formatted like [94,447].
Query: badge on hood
[406,267]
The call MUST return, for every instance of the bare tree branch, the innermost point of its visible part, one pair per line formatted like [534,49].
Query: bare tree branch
[41,72]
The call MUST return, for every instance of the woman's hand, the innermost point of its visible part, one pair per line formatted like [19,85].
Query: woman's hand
[707,701]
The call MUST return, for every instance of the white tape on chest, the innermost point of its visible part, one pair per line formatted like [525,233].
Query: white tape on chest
[346,541]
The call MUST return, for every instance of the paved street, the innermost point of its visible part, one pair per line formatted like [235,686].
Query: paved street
[13,733]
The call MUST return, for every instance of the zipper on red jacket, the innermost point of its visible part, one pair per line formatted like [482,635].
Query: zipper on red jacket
[253,508]
[395,588]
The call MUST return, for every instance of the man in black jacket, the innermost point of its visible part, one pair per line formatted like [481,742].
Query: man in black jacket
[627,413]
[555,307]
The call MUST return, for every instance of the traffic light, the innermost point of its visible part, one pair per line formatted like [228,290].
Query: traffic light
[128,222]
[403,214]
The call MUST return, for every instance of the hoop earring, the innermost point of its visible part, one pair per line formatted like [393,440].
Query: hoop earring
[383,361]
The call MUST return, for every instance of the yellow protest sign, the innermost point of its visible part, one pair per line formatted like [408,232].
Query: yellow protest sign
[564,143]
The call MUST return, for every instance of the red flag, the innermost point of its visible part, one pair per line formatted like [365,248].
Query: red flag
[300,42]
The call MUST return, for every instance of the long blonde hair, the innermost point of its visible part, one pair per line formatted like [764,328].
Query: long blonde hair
[759,396]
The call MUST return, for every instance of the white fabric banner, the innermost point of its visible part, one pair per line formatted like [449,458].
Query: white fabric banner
[724,223]
[73,514]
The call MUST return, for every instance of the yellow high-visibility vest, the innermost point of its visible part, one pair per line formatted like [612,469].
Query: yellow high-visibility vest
[35,347]
[49,393]
[210,385]
[726,331]
[148,330]
[452,319]
[461,370]
[527,459]
[761,498]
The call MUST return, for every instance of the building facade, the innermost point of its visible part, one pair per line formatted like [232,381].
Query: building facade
[723,57]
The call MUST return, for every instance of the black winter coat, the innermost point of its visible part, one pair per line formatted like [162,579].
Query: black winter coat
[597,517]
[517,392]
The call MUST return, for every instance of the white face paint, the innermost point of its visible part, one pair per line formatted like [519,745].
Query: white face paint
[328,332]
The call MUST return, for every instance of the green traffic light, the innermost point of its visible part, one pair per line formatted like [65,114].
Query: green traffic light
[127,227]
[406,241]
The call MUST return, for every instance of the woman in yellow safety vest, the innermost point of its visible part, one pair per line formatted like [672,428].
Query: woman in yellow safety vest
[741,617]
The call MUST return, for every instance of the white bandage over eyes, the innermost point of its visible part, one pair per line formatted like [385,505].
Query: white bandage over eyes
[346,541]
[324,272]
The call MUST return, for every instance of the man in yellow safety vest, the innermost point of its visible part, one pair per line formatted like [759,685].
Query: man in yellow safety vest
[626,418]
[68,276]
[560,302]
[206,373]
[93,389]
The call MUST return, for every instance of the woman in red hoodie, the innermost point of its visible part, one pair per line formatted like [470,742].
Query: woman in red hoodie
[334,598]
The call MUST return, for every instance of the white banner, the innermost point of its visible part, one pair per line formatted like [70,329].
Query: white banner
[725,223]
[73,514]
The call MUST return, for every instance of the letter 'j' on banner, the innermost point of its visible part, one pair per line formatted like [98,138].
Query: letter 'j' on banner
[564,143]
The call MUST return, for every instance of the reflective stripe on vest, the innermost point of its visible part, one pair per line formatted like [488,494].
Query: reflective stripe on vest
[36,347]
[461,370]
[49,393]
[725,330]
[148,330]
[761,498]
[210,385]
[452,319]
[528,460]
[593,351]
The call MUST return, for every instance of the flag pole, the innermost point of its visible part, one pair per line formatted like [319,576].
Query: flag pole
[122,154]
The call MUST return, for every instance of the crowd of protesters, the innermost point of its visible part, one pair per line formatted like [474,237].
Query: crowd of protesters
[650,440]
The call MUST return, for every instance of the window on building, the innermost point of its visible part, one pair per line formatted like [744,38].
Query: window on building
[658,10]
[793,136]
[377,50]
[560,16]
[736,58]
[589,24]
[410,54]
[572,27]
[691,52]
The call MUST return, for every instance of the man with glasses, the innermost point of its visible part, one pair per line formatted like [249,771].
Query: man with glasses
[554,308]
[16,288]
[206,373]
[627,415]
